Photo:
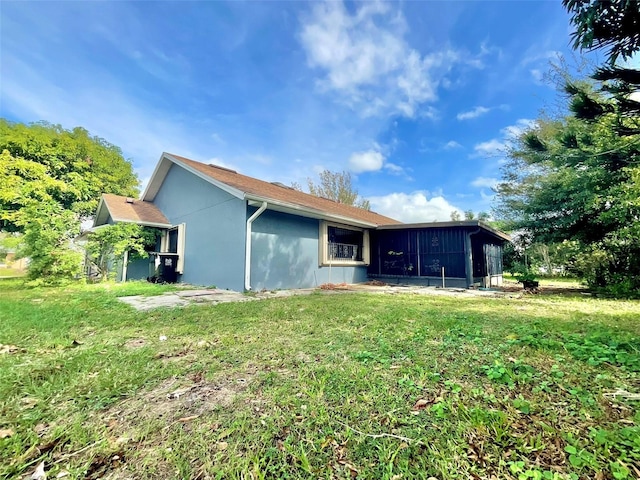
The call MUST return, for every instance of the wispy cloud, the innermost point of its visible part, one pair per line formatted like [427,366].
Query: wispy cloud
[451,145]
[366,60]
[141,132]
[490,147]
[475,113]
[484,182]
[498,146]
[479,111]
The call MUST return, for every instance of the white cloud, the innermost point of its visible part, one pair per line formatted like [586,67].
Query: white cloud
[369,161]
[218,139]
[479,111]
[533,55]
[490,147]
[515,130]
[475,113]
[414,207]
[393,168]
[366,60]
[537,75]
[484,182]
[499,146]
[451,145]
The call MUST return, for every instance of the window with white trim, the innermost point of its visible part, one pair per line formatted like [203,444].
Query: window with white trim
[343,245]
[173,241]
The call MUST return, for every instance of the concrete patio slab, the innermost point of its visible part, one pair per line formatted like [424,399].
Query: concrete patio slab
[184,298]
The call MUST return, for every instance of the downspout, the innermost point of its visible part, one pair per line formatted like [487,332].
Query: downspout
[247,256]
[469,256]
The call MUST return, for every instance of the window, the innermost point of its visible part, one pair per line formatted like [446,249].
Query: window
[343,245]
[173,242]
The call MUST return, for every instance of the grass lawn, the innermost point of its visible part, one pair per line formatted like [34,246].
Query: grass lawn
[321,386]
[11,272]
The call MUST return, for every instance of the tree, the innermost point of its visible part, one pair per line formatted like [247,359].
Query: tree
[576,179]
[108,244]
[45,163]
[614,26]
[469,215]
[48,232]
[337,186]
[455,216]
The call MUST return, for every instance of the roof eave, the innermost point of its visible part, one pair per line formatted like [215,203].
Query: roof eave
[162,169]
[461,223]
[308,212]
[142,222]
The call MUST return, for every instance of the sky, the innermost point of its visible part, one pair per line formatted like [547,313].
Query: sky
[417,100]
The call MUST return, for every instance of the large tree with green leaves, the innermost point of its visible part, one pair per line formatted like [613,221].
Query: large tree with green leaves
[576,179]
[336,186]
[50,179]
[42,163]
[612,25]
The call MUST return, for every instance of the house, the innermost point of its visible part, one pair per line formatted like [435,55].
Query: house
[233,231]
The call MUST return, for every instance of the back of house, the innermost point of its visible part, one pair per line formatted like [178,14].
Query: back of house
[222,228]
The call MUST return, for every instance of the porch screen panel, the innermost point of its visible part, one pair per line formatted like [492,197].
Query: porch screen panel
[396,255]
[493,256]
[442,247]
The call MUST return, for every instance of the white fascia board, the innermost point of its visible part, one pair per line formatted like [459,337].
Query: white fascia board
[144,224]
[308,212]
[157,177]
[101,205]
[162,169]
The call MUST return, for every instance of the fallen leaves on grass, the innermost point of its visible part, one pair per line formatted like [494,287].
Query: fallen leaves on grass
[623,394]
[10,349]
[39,473]
[334,286]
[422,403]
[6,432]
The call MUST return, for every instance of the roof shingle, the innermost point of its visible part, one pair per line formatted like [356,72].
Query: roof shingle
[253,186]
[133,210]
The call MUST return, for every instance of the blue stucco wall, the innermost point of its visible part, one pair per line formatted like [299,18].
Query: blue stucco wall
[215,229]
[284,254]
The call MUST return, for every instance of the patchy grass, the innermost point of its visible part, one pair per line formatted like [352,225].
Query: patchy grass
[326,385]
[568,282]
[11,272]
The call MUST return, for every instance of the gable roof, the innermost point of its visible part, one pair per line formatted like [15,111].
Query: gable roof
[278,196]
[126,209]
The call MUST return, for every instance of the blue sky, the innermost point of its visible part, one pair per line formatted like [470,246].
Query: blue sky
[416,99]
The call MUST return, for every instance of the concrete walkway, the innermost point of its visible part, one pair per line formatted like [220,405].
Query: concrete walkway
[214,296]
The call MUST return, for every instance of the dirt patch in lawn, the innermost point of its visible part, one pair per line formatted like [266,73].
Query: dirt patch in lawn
[135,343]
[173,401]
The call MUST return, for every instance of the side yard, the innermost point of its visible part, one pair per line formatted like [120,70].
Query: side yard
[318,386]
